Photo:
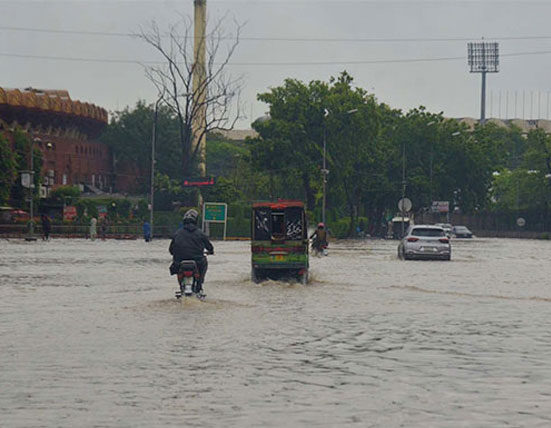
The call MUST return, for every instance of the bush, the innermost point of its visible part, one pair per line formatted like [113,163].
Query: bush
[67,194]
[339,229]
[238,227]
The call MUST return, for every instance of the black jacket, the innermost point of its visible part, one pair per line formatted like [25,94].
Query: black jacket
[189,243]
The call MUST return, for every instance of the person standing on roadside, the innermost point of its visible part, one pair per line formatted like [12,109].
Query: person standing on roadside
[93,229]
[146,231]
[46,227]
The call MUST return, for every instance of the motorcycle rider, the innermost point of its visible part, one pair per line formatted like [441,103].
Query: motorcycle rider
[319,238]
[189,243]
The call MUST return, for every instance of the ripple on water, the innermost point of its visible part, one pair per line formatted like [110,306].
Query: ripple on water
[92,336]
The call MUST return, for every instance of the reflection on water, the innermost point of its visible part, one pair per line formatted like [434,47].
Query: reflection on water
[92,336]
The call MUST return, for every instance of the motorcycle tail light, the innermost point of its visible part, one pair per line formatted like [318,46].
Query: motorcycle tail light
[411,239]
[188,273]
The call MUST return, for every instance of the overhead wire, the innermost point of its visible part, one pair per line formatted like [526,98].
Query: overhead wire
[273,63]
[288,39]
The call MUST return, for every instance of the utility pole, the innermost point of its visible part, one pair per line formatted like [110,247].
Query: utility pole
[200,83]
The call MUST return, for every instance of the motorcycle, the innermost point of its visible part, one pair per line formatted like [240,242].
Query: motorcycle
[319,249]
[189,278]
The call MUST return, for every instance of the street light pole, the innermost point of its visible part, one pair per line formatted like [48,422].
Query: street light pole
[153,142]
[403,185]
[432,122]
[31,188]
[324,170]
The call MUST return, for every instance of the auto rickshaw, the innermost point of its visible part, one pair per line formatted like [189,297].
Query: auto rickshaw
[279,241]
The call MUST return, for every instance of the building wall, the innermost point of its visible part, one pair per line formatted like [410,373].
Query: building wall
[65,131]
[75,161]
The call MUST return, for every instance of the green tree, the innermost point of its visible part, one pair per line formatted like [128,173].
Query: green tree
[22,150]
[129,136]
[66,194]
[537,156]
[8,169]
[353,123]
[290,140]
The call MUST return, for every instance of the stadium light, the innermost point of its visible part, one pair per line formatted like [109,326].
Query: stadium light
[483,58]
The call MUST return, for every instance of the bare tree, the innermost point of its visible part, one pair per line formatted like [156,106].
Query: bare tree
[216,96]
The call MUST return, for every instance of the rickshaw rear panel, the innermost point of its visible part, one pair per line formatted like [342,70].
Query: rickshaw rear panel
[279,243]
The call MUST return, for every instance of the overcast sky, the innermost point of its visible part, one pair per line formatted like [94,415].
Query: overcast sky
[521,27]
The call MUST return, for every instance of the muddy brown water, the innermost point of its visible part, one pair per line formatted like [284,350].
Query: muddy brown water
[91,335]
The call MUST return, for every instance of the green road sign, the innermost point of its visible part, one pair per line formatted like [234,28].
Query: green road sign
[215,212]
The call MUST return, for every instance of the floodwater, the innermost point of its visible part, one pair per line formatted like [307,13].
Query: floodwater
[91,335]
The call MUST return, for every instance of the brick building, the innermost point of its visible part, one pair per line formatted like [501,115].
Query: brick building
[65,131]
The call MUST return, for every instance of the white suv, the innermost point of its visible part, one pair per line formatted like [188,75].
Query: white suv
[425,242]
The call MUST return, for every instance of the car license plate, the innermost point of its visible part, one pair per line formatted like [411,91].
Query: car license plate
[279,258]
[428,249]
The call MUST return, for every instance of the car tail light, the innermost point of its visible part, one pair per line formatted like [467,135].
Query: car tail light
[444,240]
[411,239]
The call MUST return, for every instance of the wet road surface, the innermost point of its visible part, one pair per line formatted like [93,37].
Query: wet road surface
[91,336]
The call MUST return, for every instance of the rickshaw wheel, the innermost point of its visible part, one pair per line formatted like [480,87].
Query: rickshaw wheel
[255,275]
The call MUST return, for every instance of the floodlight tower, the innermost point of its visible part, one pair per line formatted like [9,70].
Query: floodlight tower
[483,58]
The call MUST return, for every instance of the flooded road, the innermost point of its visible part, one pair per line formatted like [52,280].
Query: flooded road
[91,335]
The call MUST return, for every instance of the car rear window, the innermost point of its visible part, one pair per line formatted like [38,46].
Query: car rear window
[421,231]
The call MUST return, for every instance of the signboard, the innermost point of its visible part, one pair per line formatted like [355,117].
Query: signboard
[215,212]
[69,212]
[521,222]
[199,182]
[102,211]
[441,207]
[404,204]
[26,179]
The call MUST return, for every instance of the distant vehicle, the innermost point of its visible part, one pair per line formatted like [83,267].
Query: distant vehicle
[13,215]
[462,232]
[395,229]
[20,216]
[447,228]
[5,215]
[425,242]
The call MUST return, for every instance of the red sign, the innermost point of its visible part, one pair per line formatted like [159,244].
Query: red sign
[69,212]
[199,182]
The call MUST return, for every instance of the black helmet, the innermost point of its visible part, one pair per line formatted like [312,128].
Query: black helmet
[191,216]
